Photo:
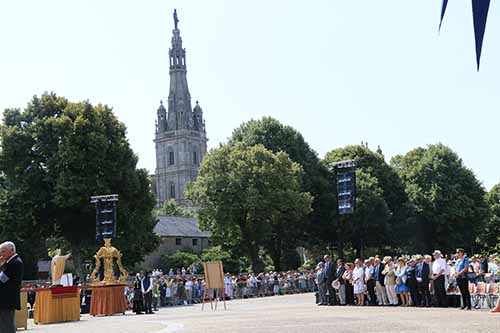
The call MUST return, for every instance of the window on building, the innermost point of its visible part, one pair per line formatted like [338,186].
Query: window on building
[195,158]
[178,241]
[171,159]
[172,191]
[195,242]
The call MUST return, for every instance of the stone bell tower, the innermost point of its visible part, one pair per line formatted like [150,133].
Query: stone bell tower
[180,140]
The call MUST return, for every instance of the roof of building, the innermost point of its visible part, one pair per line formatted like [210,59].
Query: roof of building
[176,226]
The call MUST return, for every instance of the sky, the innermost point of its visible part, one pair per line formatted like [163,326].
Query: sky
[340,72]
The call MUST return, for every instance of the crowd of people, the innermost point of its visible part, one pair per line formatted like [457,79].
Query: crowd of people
[417,280]
[152,290]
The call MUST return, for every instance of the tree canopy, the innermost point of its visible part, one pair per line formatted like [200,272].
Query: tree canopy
[171,208]
[316,228]
[490,237]
[447,199]
[55,155]
[381,202]
[250,199]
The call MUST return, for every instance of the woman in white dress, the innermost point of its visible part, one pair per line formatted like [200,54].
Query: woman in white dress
[358,282]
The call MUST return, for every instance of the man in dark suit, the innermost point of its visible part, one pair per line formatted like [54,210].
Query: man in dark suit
[338,276]
[422,276]
[11,276]
[329,276]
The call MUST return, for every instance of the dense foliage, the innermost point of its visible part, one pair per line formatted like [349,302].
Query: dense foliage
[448,201]
[55,155]
[381,203]
[490,236]
[171,208]
[250,199]
[317,228]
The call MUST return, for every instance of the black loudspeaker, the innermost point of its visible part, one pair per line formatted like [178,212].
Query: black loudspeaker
[105,221]
[345,172]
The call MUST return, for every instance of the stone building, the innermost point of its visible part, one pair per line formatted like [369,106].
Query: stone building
[180,140]
[178,234]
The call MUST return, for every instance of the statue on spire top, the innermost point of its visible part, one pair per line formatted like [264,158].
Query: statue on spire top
[176,19]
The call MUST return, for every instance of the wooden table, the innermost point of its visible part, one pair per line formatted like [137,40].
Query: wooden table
[22,315]
[55,305]
[108,300]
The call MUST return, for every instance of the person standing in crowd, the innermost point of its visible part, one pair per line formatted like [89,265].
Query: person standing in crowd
[494,269]
[168,292]
[475,268]
[370,281]
[439,270]
[163,290]
[11,276]
[358,282]
[422,275]
[156,294]
[188,285]
[321,280]
[181,293]
[411,281]
[147,290]
[349,291]
[390,281]
[378,268]
[138,304]
[462,265]
[339,273]
[483,271]
[329,277]
[228,286]
[401,282]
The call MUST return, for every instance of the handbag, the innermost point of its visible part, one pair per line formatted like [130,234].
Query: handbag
[471,275]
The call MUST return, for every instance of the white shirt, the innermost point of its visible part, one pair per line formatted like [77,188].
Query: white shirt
[368,272]
[439,266]
[189,285]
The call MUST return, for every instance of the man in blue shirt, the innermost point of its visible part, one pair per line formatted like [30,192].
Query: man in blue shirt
[462,265]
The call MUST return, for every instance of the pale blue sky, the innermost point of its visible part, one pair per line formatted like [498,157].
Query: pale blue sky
[338,71]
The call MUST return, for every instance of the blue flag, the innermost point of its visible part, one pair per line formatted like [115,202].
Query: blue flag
[480,14]
[443,10]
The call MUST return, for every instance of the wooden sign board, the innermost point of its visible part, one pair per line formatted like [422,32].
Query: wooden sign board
[214,274]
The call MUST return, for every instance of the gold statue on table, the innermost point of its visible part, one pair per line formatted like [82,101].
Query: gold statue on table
[107,253]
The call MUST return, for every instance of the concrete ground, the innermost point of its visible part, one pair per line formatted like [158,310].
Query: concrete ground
[291,313]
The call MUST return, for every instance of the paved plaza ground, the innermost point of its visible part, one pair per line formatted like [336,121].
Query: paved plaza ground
[292,313]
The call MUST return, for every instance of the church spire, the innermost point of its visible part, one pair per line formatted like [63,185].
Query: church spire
[180,115]
[180,138]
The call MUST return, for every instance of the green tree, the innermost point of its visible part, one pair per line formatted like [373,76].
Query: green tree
[231,264]
[55,155]
[178,260]
[491,233]
[447,199]
[381,208]
[171,208]
[250,199]
[315,229]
